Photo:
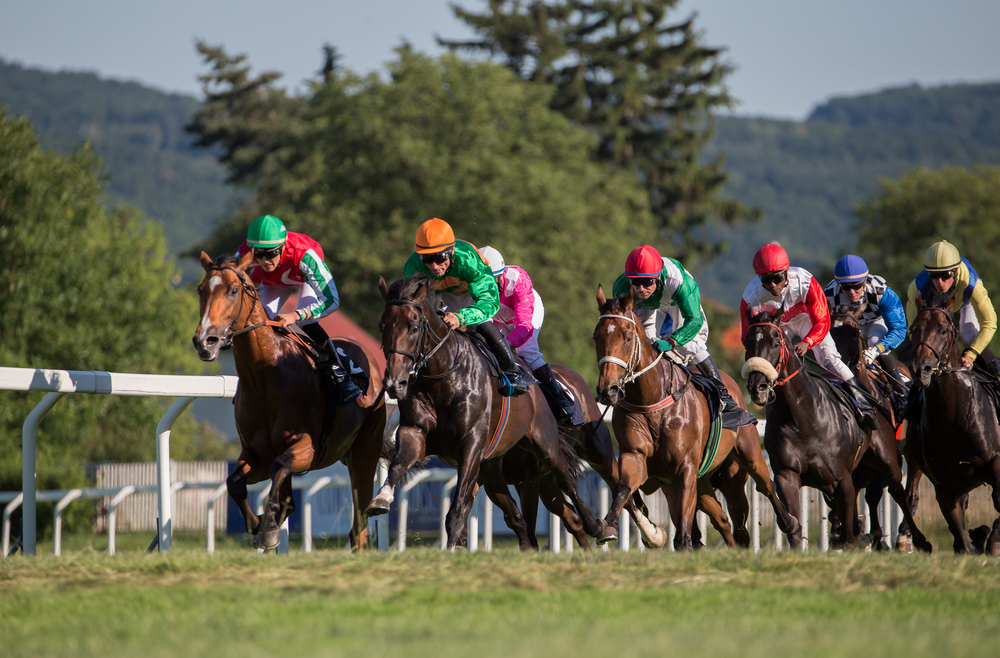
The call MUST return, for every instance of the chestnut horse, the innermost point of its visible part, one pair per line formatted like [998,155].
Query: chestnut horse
[811,436]
[956,444]
[663,426]
[282,415]
[450,406]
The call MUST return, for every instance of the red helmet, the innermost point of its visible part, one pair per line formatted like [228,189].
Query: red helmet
[643,262]
[770,258]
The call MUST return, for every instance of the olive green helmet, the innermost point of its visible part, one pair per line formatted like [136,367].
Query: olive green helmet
[942,257]
[266,232]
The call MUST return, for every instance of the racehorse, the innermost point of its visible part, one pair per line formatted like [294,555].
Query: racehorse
[591,441]
[450,406]
[956,442]
[811,435]
[284,420]
[663,429]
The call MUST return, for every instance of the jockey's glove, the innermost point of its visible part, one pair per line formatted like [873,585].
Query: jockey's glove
[663,345]
[872,353]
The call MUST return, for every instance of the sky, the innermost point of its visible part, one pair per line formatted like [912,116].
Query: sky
[791,55]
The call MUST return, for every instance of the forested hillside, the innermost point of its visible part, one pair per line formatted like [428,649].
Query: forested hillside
[807,177]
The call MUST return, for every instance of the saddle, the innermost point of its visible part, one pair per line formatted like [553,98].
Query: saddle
[320,356]
[731,420]
[493,366]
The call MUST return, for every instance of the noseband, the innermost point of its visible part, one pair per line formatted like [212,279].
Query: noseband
[941,356]
[419,358]
[248,289]
[633,360]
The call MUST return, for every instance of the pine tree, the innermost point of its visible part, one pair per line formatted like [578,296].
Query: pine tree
[648,88]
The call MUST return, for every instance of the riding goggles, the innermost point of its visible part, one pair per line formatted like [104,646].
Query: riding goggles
[949,274]
[644,282]
[772,278]
[852,285]
[267,254]
[436,259]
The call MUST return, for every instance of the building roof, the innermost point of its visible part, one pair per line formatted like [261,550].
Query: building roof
[338,324]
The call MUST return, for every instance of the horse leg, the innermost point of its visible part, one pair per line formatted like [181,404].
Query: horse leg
[873,499]
[279,503]
[993,543]
[751,459]
[787,485]
[362,463]
[731,481]
[456,521]
[904,540]
[554,501]
[682,499]
[556,457]
[954,514]
[491,476]
[411,444]
[709,504]
[887,463]
[246,472]
[527,492]
[632,470]
[844,498]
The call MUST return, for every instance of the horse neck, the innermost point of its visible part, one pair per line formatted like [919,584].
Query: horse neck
[652,386]
[255,350]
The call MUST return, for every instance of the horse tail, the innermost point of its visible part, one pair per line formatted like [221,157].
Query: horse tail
[573,463]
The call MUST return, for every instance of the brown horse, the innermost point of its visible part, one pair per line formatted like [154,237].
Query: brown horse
[811,436]
[591,441]
[956,443]
[663,428]
[284,421]
[450,406]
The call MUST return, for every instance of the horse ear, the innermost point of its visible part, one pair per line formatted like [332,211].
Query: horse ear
[382,288]
[245,261]
[919,301]
[601,299]
[206,261]
[628,300]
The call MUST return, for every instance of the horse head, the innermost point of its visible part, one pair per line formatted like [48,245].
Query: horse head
[767,354]
[845,329]
[934,338]
[620,344]
[411,331]
[222,295]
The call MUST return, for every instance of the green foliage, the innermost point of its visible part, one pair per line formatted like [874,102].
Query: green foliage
[647,87]
[911,213]
[467,142]
[83,289]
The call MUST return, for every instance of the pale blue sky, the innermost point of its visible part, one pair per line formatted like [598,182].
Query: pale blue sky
[791,54]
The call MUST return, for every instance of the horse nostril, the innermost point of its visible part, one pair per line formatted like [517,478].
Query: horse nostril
[211,340]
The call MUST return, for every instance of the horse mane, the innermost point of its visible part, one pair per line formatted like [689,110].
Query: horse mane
[224,260]
[936,299]
[408,286]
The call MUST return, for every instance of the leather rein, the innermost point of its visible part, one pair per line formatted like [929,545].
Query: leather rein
[632,375]
[937,371]
[420,358]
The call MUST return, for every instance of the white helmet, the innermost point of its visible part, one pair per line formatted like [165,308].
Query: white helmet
[494,260]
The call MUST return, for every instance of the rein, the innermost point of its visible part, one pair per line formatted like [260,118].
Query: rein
[938,371]
[419,359]
[784,356]
[631,375]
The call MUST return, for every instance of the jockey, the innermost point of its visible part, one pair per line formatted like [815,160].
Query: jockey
[285,263]
[519,320]
[799,296]
[464,282]
[882,320]
[947,272]
[668,303]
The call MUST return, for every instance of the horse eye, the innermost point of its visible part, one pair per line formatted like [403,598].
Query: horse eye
[413,327]
[233,291]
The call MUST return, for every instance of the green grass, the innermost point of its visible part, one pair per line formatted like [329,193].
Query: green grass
[425,602]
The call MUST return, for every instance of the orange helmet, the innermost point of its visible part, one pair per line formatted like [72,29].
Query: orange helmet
[433,236]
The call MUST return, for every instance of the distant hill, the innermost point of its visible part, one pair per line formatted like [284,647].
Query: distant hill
[139,132]
[808,176]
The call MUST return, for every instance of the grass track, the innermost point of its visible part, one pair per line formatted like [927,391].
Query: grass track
[424,603]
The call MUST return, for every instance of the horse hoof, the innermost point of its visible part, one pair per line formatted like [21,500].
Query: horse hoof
[270,540]
[376,509]
[904,544]
[610,534]
[794,526]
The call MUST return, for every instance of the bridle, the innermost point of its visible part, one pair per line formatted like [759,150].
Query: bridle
[784,356]
[247,289]
[941,356]
[418,357]
[632,375]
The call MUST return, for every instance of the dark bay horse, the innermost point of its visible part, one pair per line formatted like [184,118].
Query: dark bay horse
[449,406]
[281,404]
[811,436]
[662,425]
[956,443]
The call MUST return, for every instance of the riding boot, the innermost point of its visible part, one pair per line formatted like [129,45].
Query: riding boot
[710,370]
[989,363]
[898,390]
[867,417]
[347,390]
[505,357]
[562,406]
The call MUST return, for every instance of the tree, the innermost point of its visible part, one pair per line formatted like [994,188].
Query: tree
[647,88]
[82,289]
[959,205]
[466,142]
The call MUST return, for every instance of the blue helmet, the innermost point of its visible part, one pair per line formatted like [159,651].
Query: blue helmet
[850,269]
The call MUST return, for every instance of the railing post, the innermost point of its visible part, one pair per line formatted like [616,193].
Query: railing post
[70,496]
[803,520]
[210,531]
[307,520]
[29,476]
[605,503]
[122,494]
[488,525]
[163,469]
[824,525]
[7,511]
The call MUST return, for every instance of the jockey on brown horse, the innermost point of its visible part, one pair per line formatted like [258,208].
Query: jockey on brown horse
[286,263]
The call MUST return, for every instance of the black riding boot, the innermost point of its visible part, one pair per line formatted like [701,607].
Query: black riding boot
[867,418]
[899,389]
[562,406]
[505,356]
[989,363]
[710,370]
[347,390]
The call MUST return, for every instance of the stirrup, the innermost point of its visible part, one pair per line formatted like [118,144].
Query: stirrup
[511,384]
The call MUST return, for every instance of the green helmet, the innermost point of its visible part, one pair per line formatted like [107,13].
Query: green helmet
[941,257]
[266,232]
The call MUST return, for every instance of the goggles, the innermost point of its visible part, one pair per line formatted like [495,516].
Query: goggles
[643,282]
[436,259]
[949,274]
[852,285]
[267,254]
[772,278]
